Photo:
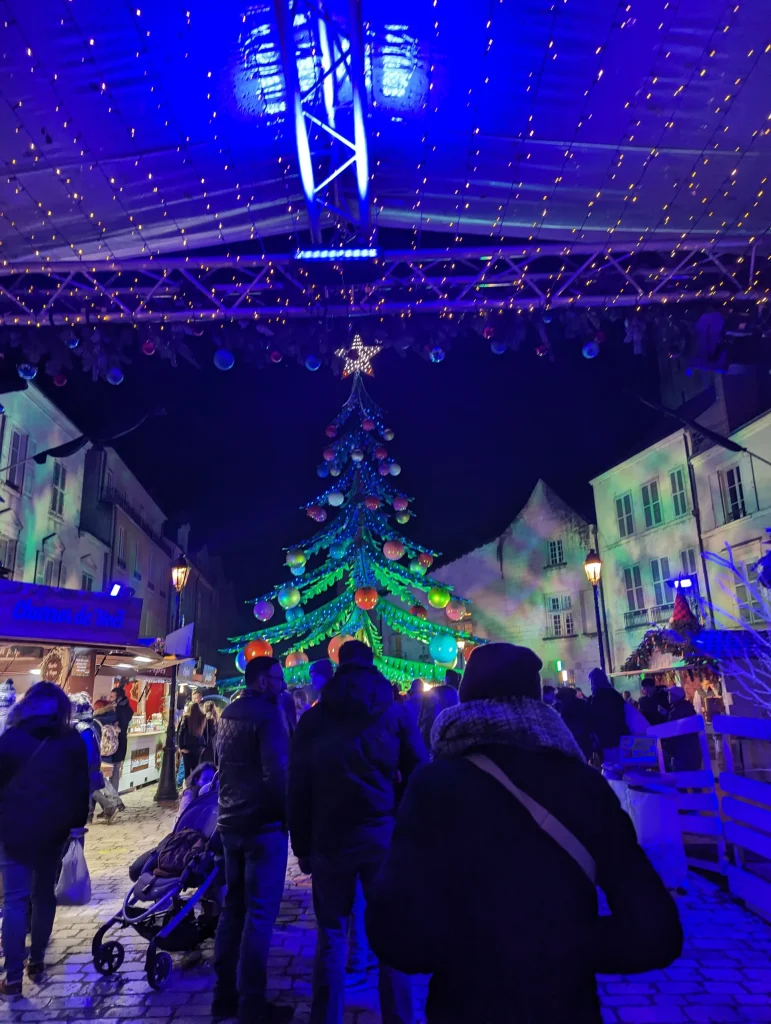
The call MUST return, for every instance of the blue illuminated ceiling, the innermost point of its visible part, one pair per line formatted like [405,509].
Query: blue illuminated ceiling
[158,127]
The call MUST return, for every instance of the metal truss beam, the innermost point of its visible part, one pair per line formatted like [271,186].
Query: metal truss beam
[323,64]
[167,289]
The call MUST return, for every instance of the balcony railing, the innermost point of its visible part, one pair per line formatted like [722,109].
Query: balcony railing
[648,616]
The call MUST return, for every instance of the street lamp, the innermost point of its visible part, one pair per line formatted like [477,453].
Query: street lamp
[167,782]
[593,570]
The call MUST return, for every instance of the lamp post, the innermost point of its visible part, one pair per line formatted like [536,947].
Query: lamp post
[167,783]
[593,570]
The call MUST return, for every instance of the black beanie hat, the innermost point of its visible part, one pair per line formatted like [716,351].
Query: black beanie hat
[498,671]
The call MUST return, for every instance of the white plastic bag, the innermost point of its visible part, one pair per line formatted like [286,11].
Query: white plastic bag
[74,886]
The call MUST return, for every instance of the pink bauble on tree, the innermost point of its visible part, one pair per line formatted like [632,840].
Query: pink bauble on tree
[425,559]
[331,430]
[368,425]
[400,504]
[393,550]
[381,452]
[455,611]
[328,454]
[372,503]
[295,658]
[383,469]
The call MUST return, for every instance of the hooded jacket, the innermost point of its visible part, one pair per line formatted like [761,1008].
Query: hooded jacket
[351,755]
[526,948]
[44,780]
[124,713]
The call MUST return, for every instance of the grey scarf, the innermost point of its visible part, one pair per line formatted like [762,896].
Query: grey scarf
[516,721]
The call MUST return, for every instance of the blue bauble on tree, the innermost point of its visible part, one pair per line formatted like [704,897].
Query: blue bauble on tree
[241,662]
[312,362]
[224,359]
[114,375]
[322,470]
[337,551]
[443,648]
[294,615]
[297,570]
[27,371]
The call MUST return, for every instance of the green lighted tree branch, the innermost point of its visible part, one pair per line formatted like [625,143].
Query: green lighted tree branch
[370,568]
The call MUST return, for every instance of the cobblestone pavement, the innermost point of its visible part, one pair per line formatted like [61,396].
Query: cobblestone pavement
[723,976]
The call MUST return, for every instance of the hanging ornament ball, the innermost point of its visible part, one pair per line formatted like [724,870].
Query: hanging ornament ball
[388,434]
[383,469]
[498,347]
[224,359]
[394,469]
[590,350]
[488,332]
[402,518]
[73,341]
[296,556]
[400,504]
[295,658]
[60,380]
[148,347]
[328,455]
[335,499]
[297,570]
[468,651]
[331,430]
[438,597]
[372,503]
[443,648]
[27,371]
[320,516]
[367,425]
[366,598]
[241,662]
[436,354]
[114,375]
[335,471]
[419,611]
[311,511]
[312,362]
[275,356]
[448,664]
[295,615]
[425,559]
[322,470]
[357,455]
[257,649]
[380,452]
[455,611]
[263,610]
[337,551]
[289,597]
[334,645]
[393,550]
[416,567]
[541,350]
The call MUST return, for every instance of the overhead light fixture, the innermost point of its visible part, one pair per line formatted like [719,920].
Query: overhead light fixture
[36,671]
[123,664]
[115,590]
[141,658]
[337,254]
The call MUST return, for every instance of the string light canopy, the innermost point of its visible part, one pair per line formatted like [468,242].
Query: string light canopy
[585,153]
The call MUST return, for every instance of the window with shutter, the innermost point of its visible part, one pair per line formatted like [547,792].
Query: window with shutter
[750,607]
[634,589]
[732,493]
[556,553]
[58,489]
[651,504]
[688,561]
[17,453]
[679,500]
[659,576]
[7,557]
[624,515]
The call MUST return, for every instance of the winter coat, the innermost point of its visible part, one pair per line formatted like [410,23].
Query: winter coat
[434,703]
[288,706]
[209,752]
[527,950]
[608,718]
[187,740]
[44,786]
[352,753]
[88,733]
[682,753]
[651,707]
[125,713]
[253,749]
[577,716]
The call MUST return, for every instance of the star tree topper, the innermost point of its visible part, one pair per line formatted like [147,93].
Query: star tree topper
[358,358]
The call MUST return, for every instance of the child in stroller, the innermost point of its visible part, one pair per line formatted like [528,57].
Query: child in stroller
[161,906]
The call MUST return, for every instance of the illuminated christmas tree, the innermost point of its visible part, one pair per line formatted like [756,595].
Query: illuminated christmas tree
[361,557]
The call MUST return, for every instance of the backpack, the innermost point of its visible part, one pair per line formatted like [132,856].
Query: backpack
[177,850]
[108,744]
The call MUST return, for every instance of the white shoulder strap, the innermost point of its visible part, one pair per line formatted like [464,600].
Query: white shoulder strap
[543,818]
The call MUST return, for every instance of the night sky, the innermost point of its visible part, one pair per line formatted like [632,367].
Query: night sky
[236,453]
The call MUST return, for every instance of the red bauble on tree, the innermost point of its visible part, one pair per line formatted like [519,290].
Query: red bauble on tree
[425,559]
[366,598]
[372,503]
[380,452]
[296,658]
[334,645]
[419,611]
[331,430]
[258,649]
[393,550]
[368,425]
[328,454]
[400,504]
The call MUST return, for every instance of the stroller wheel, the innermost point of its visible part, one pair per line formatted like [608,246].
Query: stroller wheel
[108,957]
[159,970]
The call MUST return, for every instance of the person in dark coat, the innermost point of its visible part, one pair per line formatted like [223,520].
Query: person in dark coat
[253,744]
[577,716]
[414,700]
[650,704]
[90,733]
[123,713]
[434,703]
[192,738]
[351,755]
[529,954]
[682,753]
[44,794]
[608,716]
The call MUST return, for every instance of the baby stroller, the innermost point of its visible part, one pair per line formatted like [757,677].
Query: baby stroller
[175,903]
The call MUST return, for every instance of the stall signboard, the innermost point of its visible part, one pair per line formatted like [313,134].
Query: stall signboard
[34,612]
[186,670]
[639,751]
[209,676]
[140,759]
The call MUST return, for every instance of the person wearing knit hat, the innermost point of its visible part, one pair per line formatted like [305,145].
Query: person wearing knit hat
[507,780]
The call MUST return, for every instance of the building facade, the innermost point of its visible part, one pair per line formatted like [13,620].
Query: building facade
[529,587]
[41,540]
[647,537]
[120,513]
